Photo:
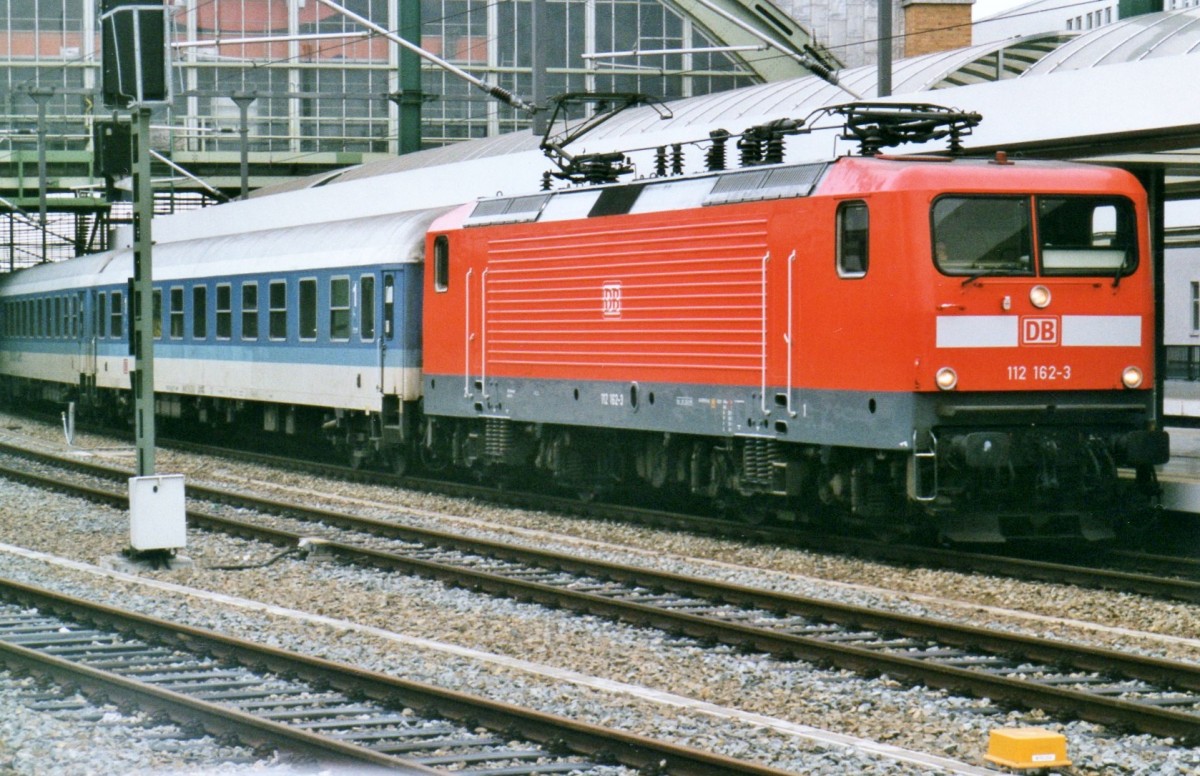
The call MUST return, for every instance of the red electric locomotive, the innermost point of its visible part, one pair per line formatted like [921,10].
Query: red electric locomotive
[964,345]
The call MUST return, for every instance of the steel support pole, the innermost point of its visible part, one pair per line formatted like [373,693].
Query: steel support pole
[410,97]
[537,37]
[42,95]
[884,47]
[141,300]
[243,100]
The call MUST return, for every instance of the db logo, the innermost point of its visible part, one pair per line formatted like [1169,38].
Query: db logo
[1039,331]
[612,299]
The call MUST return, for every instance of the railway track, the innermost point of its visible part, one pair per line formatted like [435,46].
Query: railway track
[270,698]
[1160,576]
[1149,695]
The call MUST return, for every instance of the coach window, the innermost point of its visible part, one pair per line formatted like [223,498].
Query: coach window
[156,311]
[308,309]
[852,239]
[366,307]
[199,312]
[250,310]
[177,312]
[56,317]
[116,314]
[278,310]
[339,309]
[100,319]
[441,263]
[224,311]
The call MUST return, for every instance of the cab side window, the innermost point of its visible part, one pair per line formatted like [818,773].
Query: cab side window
[441,263]
[852,239]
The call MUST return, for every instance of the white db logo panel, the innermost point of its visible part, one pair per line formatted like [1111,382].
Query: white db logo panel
[1036,330]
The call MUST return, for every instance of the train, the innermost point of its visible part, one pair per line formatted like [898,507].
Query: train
[936,345]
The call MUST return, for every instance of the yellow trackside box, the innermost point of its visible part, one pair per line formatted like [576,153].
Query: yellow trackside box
[1027,748]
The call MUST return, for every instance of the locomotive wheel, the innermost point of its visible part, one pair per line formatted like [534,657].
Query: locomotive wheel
[399,461]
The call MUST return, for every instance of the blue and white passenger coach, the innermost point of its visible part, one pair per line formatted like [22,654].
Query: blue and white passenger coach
[277,330]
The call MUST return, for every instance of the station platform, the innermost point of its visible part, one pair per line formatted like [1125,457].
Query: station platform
[1180,477]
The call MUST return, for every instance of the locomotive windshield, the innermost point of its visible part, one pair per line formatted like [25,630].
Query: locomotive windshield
[1076,235]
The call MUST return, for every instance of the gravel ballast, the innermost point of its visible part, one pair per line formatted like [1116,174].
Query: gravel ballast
[643,681]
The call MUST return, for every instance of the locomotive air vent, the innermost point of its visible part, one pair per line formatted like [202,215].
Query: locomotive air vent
[508,210]
[774,183]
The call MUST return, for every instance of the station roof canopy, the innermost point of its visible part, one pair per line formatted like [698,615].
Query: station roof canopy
[773,44]
[1127,94]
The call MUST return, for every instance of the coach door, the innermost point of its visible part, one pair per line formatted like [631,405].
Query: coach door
[86,325]
[391,341]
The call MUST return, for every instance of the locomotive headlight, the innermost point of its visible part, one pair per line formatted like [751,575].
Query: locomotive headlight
[1039,297]
[1131,376]
[946,378]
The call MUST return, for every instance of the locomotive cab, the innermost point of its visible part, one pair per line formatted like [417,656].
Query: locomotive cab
[1039,384]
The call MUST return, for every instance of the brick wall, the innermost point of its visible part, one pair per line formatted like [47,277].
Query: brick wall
[933,25]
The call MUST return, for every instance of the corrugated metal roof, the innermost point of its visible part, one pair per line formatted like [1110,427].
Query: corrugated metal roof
[1129,40]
